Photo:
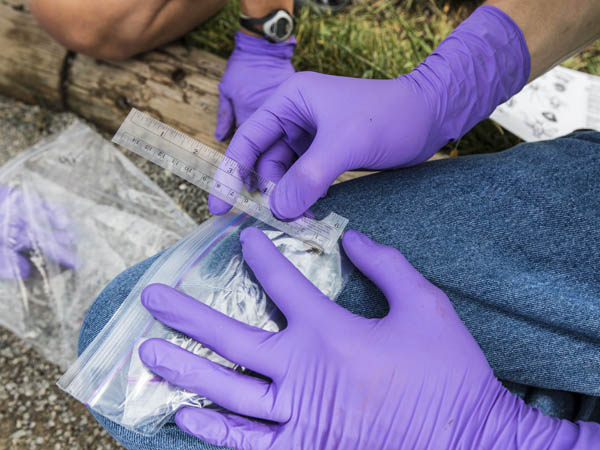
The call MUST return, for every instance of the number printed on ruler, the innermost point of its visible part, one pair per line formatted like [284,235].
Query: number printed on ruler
[221,176]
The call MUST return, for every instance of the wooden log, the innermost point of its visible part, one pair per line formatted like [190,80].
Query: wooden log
[176,85]
[173,84]
[31,61]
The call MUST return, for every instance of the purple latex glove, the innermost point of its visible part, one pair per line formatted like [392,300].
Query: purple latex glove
[334,124]
[254,70]
[415,379]
[28,223]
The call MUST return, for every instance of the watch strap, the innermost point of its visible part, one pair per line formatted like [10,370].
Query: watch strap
[256,25]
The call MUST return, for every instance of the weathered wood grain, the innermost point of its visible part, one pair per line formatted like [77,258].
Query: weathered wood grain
[30,60]
[173,84]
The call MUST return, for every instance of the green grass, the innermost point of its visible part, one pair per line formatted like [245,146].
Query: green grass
[377,39]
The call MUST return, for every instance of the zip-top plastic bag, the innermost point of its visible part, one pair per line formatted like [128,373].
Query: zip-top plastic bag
[207,265]
[74,213]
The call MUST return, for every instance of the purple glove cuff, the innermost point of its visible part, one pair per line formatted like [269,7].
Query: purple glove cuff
[259,46]
[480,65]
[511,424]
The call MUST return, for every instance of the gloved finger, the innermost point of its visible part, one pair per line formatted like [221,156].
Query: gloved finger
[59,253]
[13,265]
[252,139]
[306,181]
[385,266]
[280,279]
[225,118]
[56,245]
[239,393]
[53,214]
[270,167]
[4,194]
[236,341]
[225,430]
[229,181]
[275,162]
[243,111]
[57,216]
[393,274]
[225,180]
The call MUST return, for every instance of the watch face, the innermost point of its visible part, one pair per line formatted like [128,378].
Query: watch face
[279,27]
[282,28]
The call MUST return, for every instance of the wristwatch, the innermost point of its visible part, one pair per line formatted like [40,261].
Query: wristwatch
[276,26]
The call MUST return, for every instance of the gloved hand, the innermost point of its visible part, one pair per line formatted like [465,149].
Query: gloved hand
[334,124]
[254,70]
[415,379]
[27,223]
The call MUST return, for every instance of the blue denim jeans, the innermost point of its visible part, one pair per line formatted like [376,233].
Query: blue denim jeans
[513,238]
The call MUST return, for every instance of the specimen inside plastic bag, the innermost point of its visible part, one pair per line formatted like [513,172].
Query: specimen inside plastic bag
[207,265]
[74,213]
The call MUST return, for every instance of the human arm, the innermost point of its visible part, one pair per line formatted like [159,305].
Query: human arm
[334,124]
[554,29]
[415,379]
[119,29]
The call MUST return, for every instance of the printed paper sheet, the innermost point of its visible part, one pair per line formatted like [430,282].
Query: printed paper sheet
[557,103]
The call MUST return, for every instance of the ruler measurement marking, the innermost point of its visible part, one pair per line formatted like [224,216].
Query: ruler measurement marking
[187,170]
[217,167]
[216,156]
[189,174]
[198,164]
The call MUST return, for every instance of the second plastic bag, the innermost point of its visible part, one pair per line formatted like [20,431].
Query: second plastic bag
[207,265]
[74,213]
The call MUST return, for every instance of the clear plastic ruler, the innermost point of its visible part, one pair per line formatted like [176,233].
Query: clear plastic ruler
[221,176]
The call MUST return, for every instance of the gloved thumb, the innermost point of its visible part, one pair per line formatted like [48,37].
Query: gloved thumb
[304,183]
[385,266]
[225,118]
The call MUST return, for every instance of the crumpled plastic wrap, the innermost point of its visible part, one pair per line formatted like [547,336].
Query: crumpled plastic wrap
[207,265]
[74,213]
